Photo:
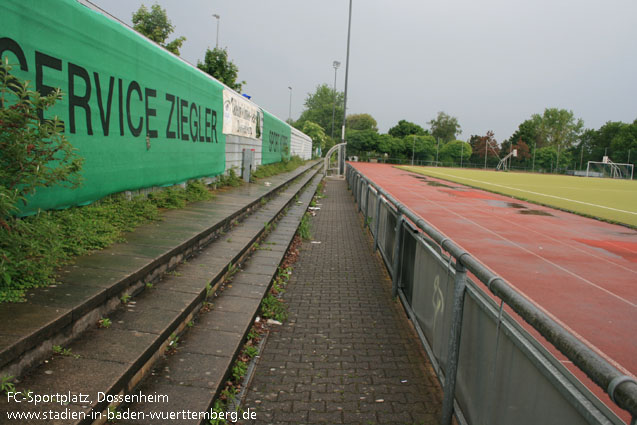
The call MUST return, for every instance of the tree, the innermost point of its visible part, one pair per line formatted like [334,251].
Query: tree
[455,151]
[392,146]
[361,122]
[445,127]
[624,144]
[558,128]
[406,128]
[547,159]
[318,108]
[424,147]
[155,25]
[528,132]
[362,142]
[481,145]
[216,63]
[35,152]
[317,134]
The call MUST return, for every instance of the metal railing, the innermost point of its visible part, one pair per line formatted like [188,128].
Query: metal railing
[496,373]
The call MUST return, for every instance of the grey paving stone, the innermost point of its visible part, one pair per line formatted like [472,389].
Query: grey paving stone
[344,334]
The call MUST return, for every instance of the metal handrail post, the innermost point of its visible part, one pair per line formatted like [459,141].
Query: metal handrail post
[453,351]
[396,262]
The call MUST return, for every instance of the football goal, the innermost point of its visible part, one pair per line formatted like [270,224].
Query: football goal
[609,169]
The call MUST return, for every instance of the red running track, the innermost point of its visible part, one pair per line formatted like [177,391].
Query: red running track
[581,271]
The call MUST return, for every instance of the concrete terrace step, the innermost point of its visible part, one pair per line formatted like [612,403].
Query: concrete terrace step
[192,378]
[113,361]
[92,286]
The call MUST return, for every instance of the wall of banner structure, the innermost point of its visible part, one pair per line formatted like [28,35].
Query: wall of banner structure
[138,115]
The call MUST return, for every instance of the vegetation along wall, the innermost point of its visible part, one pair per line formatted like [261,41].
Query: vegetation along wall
[138,115]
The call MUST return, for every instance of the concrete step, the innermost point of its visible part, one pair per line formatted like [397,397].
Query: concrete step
[92,286]
[193,377]
[113,361]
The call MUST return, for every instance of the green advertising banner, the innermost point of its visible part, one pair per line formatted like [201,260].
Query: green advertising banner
[139,116]
[276,139]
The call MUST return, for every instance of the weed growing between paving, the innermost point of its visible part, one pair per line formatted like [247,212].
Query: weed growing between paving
[273,308]
[304,227]
[285,166]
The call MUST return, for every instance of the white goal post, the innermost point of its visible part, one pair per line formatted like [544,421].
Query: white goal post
[609,169]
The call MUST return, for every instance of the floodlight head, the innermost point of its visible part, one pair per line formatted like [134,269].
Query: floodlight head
[336,64]
[216,16]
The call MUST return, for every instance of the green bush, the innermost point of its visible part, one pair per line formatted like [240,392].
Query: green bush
[35,152]
[32,248]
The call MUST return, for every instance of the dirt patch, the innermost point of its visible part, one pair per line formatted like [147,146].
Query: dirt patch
[515,205]
[418,177]
[505,204]
[438,184]
[535,212]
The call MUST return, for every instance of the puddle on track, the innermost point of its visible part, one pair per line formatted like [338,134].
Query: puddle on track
[432,182]
[505,204]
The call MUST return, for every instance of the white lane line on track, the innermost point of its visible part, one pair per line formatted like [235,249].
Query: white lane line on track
[535,193]
[557,266]
[548,313]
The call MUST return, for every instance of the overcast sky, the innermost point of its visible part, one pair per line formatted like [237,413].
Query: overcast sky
[490,63]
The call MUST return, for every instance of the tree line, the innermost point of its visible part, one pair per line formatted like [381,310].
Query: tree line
[552,141]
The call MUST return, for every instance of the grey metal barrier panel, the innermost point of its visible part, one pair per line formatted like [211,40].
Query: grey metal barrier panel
[390,234]
[363,202]
[432,297]
[498,380]
[371,211]
[407,262]
[505,376]
[382,234]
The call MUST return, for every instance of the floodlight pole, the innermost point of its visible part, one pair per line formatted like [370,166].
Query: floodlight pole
[290,109]
[335,64]
[341,165]
[413,148]
[534,149]
[437,146]
[486,152]
[218,21]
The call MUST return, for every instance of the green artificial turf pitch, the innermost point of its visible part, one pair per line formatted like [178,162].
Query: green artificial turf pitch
[607,199]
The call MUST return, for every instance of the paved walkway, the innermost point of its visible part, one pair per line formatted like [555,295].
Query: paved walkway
[347,354]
